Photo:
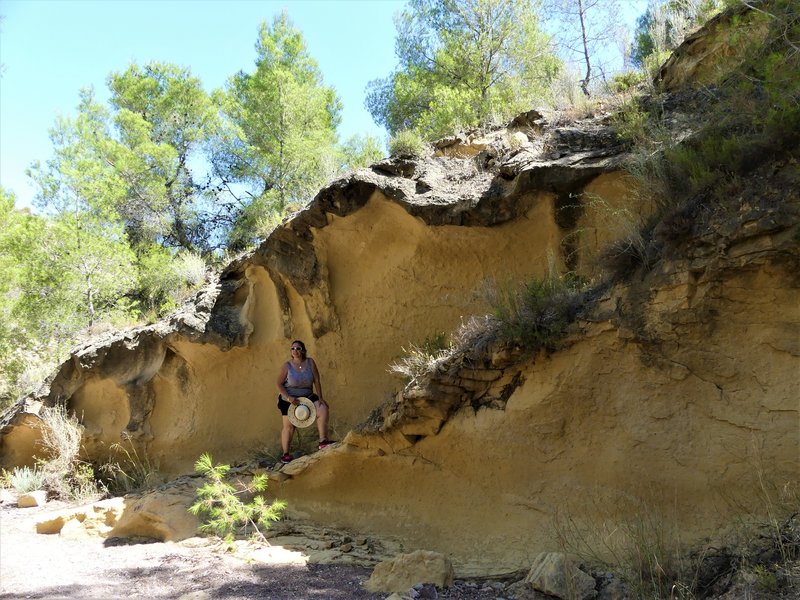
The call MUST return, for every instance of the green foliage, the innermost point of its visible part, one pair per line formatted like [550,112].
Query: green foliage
[776,68]
[116,199]
[407,143]
[664,25]
[224,512]
[157,284]
[536,314]
[766,579]
[359,151]
[84,266]
[24,479]
[255,222]
[17,237]
[462,63]
[131,164]
[632,122]
[129,210]
[626,82]
[279,143]
[702,162]
[752,115]
[57,276]
[163,119]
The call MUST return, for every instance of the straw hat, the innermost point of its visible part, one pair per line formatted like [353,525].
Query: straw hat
[303,414]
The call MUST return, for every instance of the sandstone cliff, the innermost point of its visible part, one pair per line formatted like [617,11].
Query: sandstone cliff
[381,258]
[676,392]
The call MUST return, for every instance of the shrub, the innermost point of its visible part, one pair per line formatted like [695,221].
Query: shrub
[127,471]
[166,280]
[421,359]
[646,546]
[536,314]
[66,476]
[752,115]
[224,512]
[474,336]
[626,82]
[633,250]
[24,479]
[190,269]
[632,122]
[637,542]
[407,143]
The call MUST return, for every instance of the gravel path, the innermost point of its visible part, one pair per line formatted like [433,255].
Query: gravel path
[49,566]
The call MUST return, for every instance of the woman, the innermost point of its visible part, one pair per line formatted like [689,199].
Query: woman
[298,378]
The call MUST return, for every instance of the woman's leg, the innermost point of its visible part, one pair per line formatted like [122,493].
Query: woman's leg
[287,432]
[322,420]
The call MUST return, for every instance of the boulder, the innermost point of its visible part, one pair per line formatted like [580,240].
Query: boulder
[406,570]
[94,520]
[553,573]
[37,498]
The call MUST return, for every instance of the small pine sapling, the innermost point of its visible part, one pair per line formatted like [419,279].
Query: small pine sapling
[224,512]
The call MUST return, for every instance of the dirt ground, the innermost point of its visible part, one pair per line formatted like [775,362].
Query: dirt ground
[50,566]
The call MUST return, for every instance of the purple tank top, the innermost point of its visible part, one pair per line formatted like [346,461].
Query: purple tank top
[297,381]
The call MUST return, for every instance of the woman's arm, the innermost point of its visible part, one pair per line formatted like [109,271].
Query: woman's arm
[281,383]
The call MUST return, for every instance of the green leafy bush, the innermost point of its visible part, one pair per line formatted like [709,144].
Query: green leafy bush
[537,313]
[462,63]
[632,123]
[407,143]
[750,116]
[626,82]
[219,503]
[755,112]
[191,269]
[359,151]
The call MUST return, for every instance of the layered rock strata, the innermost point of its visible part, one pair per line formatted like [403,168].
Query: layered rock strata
[381,259]
[675,398]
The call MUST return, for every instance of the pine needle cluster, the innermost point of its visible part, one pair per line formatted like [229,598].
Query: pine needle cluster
[226,514]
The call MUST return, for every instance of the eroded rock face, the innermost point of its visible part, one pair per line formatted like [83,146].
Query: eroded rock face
[382,258]
[667,402]
[714,50]
[672,396]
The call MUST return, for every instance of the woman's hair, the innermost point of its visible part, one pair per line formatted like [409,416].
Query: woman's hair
[302,348]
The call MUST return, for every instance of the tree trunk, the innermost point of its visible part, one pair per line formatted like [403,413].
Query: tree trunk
[89,300]
[587,78]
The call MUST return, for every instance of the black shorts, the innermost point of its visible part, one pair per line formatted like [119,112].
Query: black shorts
[283,405]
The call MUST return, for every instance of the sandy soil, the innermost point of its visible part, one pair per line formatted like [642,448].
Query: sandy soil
[50,566]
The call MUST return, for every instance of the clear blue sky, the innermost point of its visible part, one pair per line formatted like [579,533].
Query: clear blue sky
[49,49]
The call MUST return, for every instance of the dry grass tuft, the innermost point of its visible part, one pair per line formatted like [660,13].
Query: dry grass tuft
[66,476]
